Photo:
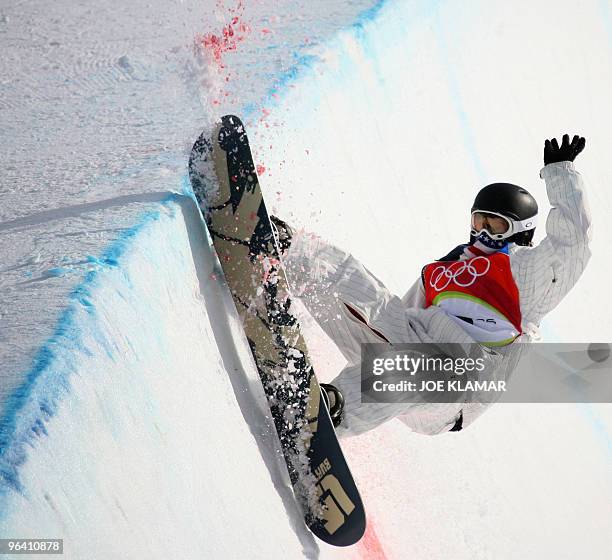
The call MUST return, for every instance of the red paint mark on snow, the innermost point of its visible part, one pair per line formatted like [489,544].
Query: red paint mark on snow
[260,170]
[227,41]
[230,36]
[369,546]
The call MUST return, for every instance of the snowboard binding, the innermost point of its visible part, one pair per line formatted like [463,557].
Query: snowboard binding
[334,401]
[282,233]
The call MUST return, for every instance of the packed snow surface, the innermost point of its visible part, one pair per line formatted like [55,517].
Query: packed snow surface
[132,422]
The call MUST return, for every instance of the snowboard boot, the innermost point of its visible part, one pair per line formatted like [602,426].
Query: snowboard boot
[334,401]
[282,233]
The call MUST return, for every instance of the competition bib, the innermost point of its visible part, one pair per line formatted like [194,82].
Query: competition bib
[479,293]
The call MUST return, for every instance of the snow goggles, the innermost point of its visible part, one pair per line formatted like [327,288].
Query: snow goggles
[497,226]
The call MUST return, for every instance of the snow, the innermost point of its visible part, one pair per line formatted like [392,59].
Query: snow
[133,423]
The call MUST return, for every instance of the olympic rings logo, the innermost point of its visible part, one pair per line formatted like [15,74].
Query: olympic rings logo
[462,273]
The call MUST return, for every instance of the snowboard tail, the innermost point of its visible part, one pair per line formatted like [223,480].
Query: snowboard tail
[243,237]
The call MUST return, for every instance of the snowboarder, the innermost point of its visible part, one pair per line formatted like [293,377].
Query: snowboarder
[522,283]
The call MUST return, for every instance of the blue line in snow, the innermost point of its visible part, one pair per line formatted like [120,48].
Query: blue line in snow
[370,14]
[305,63]
[29,406]
[455,91]
[549,334]
[597,424]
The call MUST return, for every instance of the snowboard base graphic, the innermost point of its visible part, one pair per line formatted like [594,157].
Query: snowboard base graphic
[225,184]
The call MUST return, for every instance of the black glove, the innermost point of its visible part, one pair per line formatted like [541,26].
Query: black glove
[567,151]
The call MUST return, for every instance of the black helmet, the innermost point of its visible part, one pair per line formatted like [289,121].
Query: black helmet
[512,202]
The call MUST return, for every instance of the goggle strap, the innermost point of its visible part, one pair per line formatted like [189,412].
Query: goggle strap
[526,225]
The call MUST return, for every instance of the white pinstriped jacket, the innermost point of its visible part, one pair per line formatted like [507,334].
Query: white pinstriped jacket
[546,273]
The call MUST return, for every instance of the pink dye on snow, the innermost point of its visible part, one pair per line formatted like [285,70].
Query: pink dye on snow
[230,36]
[228,41]
[370,548]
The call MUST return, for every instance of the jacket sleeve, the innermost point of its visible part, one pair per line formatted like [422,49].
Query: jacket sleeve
[415,296]
[546,273]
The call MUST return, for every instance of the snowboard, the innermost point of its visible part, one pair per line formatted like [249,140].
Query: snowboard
[225,183]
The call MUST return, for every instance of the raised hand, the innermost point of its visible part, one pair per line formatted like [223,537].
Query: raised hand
[566,152]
